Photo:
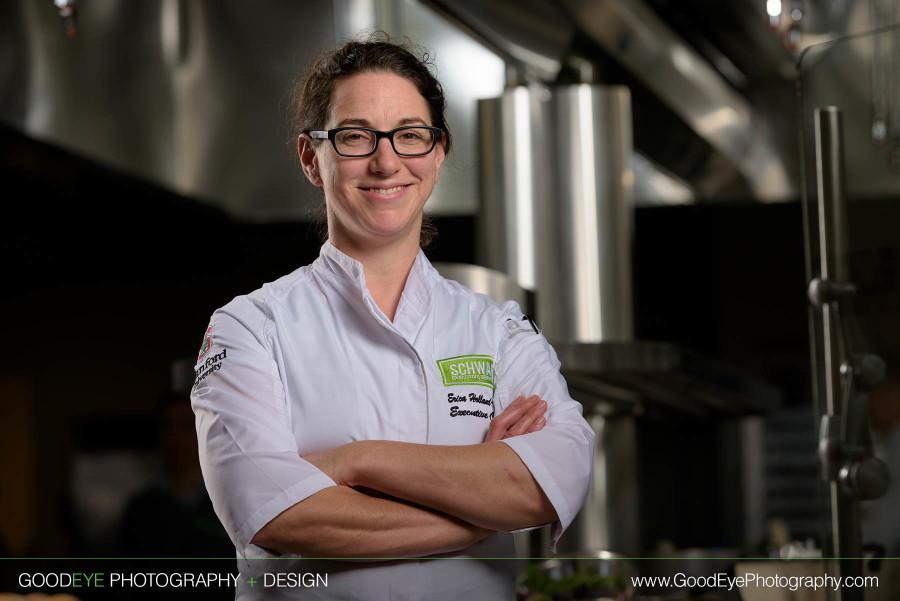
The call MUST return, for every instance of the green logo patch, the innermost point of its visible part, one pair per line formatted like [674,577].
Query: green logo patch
[468,369]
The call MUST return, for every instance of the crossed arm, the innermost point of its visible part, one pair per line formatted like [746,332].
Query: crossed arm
[420,499]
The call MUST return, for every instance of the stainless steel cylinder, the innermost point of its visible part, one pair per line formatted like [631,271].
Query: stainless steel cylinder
[516,175]
[556,195]
[584,259]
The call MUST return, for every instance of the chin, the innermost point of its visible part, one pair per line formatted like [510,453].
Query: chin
[391,228]
[387,234]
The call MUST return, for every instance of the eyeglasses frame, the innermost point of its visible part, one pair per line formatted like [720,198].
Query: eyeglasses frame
[331,134]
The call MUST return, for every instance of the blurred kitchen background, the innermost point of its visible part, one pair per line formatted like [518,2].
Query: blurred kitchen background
[643,172]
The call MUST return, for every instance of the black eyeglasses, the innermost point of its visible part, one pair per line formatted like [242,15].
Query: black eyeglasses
[412,141]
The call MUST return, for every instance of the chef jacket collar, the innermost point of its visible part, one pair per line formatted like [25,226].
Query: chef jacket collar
[344,267]
[416,293]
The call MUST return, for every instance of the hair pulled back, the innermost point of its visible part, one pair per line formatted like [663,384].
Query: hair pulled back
[314,90]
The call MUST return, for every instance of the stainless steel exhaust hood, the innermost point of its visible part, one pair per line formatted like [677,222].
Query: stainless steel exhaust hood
[631,33]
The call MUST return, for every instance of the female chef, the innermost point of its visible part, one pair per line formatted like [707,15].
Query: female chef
[365,407]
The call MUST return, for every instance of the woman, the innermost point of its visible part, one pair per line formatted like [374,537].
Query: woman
[363,406]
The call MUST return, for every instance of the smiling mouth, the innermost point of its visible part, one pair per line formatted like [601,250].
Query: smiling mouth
[386,191]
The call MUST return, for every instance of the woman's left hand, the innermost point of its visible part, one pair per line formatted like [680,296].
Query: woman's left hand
[523,416]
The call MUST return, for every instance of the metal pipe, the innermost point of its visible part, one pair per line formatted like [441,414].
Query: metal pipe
[832,195]
[834,266]
[832,209]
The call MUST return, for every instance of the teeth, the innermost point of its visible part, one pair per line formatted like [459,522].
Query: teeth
[387,190]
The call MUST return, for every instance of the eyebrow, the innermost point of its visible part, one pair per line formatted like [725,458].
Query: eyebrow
[365,123]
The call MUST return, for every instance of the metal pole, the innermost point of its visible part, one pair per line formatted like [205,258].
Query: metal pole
[833,246]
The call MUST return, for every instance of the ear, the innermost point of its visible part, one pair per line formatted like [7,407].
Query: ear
[307,151]
[441,152]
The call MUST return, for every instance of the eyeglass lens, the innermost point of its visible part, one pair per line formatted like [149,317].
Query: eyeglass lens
[409,140]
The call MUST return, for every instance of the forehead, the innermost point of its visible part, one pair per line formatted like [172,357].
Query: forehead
[377,97]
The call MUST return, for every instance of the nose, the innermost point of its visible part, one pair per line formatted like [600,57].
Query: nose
[384,159]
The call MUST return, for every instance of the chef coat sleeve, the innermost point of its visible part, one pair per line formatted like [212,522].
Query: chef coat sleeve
[560,455]
[248,453]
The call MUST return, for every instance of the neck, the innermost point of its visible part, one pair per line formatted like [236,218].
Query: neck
[386,267]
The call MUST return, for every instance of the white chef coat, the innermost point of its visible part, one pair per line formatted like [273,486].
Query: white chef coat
[309,362]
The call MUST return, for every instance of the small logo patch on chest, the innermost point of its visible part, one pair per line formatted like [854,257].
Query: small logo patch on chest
[467,369]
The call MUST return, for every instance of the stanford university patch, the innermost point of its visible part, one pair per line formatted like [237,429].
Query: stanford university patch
[207,342]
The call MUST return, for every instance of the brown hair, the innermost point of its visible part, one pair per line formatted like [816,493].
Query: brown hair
[313,91]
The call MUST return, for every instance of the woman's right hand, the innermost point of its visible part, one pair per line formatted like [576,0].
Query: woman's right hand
[523,416]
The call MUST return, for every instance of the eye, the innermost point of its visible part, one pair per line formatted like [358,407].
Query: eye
[353,137]
[412,136]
